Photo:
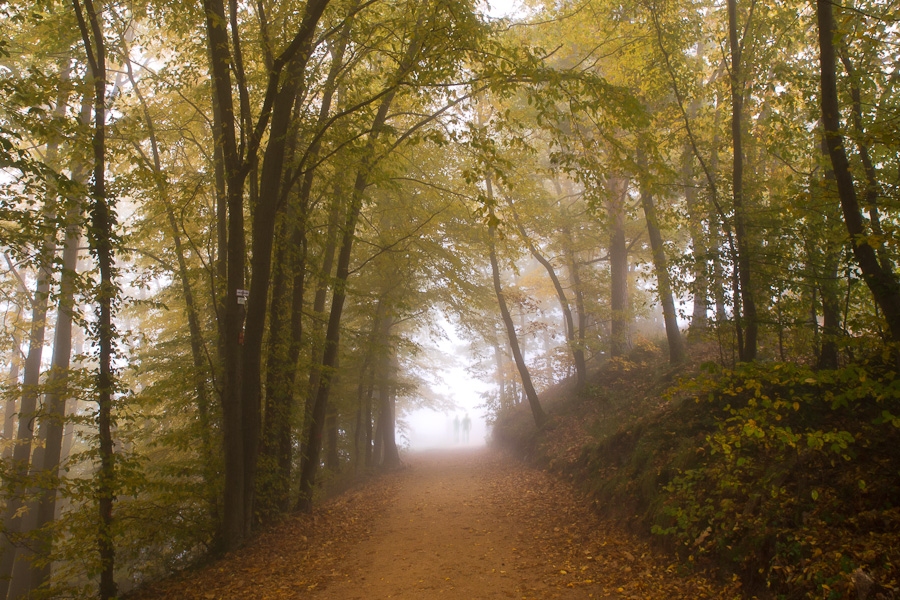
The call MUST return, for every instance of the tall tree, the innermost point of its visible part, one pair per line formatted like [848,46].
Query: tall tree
[882,282]
[748,348]
[101,237]
[660,265]
[534,403]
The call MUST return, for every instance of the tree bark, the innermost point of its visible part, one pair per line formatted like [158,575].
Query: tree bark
[100,236]
[52,423]
[747,351]
[700,285]
[618,270]
[310,462]
[660,264]
[242,377]
[197,343]
[13,520]
[883,284]
[537,412]
[286,342]
[574,347]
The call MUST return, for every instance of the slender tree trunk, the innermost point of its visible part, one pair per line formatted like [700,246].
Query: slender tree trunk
[13,519]
[25,524]
[52,423]
[331,238]
[578,290]
[882,283]
[663,283]
[332,459]
[390,455]
[533,401]
[283,364]
[871,186]
[747,352]
[231,232]
[574,348]
[310,462]
[30,576]
[100,236]
[618,270]
[9,412]
[198,354]
[700,285]
[500,377]
[242,357]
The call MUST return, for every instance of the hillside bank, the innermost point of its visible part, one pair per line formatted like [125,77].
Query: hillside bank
[783,475]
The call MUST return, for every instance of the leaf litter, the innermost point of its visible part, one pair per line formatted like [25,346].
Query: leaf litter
[463,524]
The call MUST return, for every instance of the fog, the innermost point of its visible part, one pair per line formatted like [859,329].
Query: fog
[428,428]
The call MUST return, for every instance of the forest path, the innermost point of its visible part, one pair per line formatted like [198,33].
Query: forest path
[464,524]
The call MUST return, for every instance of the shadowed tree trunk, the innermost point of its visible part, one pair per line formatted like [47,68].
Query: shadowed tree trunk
[660,264]
[747,351]
[46,460]
[310,461]
[242,354]
[100,236]
[20,518]
[618,269]
[531,394]
[882,283]
[13,519]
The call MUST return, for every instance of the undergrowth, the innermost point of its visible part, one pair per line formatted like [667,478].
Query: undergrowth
[786,475]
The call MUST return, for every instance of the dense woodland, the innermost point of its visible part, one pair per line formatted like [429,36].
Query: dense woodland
[233,231]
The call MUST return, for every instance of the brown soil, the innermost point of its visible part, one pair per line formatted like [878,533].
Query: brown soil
[459,525]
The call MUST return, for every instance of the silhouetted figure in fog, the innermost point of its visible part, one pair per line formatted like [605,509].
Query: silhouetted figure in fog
[456,430]
[466,426]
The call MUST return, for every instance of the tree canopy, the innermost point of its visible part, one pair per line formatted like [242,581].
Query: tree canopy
[244,224]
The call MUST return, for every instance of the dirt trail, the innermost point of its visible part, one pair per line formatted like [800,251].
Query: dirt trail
[467,525]
[449,534]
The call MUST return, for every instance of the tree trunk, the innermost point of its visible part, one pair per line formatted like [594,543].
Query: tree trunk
[882,283]
[390,455]
[700,285]
[747,351]
[618,270]
[25,524]
[13,519]
[534,403]
[872,189]
[282,365]
[231,227]
[574,347]
[332,459]
[660,264]
[52,423]
[198,354]
[9,410]
[310,462]
[578,290]
[100,236]
[242,357]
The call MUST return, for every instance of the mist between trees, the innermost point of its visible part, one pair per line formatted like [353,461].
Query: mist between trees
[232,234]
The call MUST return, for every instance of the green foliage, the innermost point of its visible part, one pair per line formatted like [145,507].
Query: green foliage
[776,488]
[784,474]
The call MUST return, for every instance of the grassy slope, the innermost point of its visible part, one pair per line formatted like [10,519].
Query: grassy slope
[789,477]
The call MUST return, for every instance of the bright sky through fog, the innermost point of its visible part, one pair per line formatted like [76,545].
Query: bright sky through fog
[426,428]
[501,8]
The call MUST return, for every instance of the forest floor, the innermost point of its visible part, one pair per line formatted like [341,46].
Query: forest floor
[463,524]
